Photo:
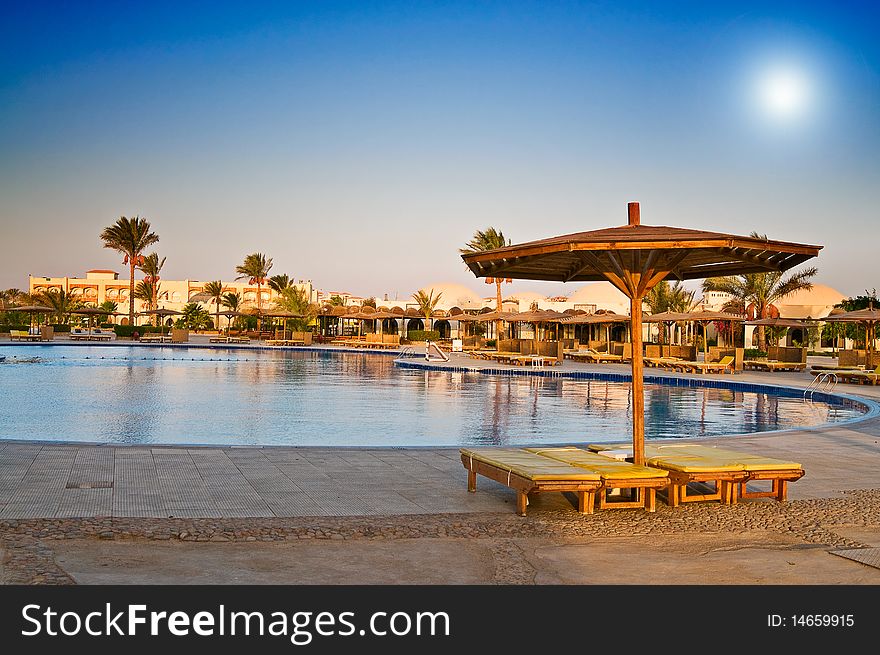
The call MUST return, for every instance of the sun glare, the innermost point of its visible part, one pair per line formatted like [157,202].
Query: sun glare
[783,92]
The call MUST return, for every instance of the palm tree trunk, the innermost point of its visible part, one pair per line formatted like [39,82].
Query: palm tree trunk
[131,294]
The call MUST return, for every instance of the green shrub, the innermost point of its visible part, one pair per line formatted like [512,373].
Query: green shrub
[128,330]
[7,328]
[753,353]
[423,335]
[60,327]
[491,343]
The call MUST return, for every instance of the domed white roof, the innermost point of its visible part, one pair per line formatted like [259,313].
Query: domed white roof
[526,296]
[601,294]
[453,294]
[820,294]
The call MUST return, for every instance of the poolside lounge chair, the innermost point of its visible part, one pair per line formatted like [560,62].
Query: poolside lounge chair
[725,365]
[529,473]
[100,335]
[616,474]
[78,334]
[773,365]
[858,376]
[730,471]
[593,356]
[23,335]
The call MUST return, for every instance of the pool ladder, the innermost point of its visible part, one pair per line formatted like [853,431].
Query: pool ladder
[823,383]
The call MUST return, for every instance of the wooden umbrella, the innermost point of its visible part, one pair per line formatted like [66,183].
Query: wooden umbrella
[634,258]
[607,318]
[667,319]
[869,317]
[706,317]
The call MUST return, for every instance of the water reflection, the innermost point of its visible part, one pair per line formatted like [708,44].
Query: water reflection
[119,395]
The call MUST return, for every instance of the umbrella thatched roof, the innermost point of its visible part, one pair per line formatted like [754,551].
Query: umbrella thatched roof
[595,319]
[869,315]
[782,322]
[682,253]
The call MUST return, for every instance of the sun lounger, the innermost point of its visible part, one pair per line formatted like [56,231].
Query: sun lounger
[155,337]
[615,474]
[593,356]
[859,376]
[528,473]
[729,471]
[662,362]
[100,335]
[725,365]
[23,335]
[773,365]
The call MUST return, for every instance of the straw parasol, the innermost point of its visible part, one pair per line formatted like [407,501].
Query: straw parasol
[634,258]
[90,312]
[868,318]
[30,310]
[706,317]
[607,318]
[160,312]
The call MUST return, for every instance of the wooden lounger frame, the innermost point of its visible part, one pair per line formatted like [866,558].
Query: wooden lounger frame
[779,480]
[584,489]
[725,483]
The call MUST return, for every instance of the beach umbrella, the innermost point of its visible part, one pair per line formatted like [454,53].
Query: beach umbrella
[30,310]
[706,317]
[283,314]
[607,318]
[91,312]
[868,318]
[230,314]
[634,258]
[160,312]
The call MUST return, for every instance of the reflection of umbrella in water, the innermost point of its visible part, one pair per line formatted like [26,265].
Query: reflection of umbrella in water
[635,258]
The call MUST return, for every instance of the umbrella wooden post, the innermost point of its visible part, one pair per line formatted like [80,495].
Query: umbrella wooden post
[638,384]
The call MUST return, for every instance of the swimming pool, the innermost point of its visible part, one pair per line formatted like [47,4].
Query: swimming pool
[165,395]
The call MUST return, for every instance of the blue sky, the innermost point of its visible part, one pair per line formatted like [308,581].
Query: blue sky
[360,144]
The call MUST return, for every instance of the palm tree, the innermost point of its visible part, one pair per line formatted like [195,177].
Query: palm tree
[427,303]
[489,239]
[215,290]
[145,292]
[666,297]
[337,301]
[110,307]
[255,267]
[150,267]
[194,317]
[11,297]
[279,283]
[760,290]
[61,302]
[294,299]
[130,237]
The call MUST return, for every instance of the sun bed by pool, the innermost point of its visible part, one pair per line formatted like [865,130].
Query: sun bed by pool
[773,365]
[616,474]
[725,365]
[729,471]
[528,473]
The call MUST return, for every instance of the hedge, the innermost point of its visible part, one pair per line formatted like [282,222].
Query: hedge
[127,330]
[423,335]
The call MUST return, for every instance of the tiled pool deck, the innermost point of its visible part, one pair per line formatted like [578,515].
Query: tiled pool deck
[65,480]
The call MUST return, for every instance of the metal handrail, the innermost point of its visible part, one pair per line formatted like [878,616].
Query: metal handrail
[823,383]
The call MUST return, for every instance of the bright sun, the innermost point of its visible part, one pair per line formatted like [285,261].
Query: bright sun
[783,93]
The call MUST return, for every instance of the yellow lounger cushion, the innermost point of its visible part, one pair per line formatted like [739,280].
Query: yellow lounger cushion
[694,463]
[712,455]
[529,465]
[609,469]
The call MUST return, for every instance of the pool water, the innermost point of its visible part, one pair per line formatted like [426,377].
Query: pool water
[139,395]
